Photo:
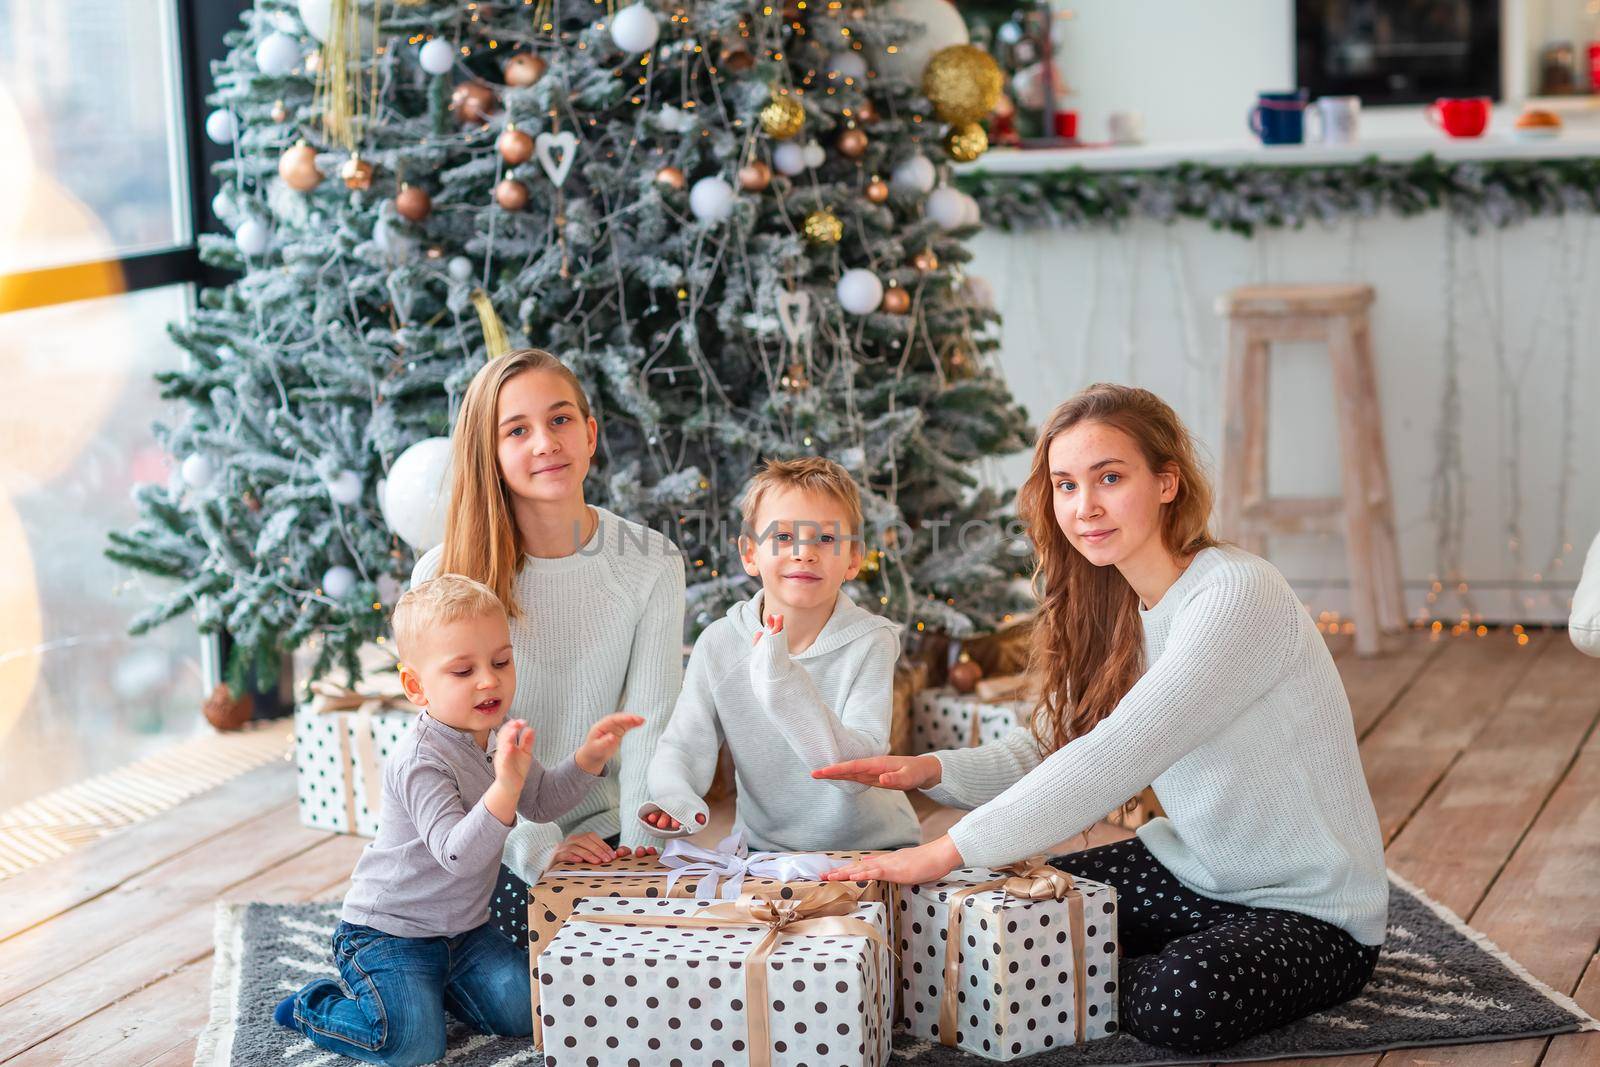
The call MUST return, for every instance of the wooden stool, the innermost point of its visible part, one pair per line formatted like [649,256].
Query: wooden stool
[1337,316]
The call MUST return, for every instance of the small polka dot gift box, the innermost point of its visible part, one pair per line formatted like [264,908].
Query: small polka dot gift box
[341,739]
[765,981]
[943,718]
[1008,962]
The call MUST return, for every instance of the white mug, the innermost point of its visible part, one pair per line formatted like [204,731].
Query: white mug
[1127,127]
[1338,118]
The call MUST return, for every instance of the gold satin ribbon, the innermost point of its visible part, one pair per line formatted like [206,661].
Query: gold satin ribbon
[816,911]
[1029,879]
[378,692]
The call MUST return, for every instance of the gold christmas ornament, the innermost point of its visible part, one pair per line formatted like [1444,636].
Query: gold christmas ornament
[783,117]
[966,142]
[472,102]
[524,69]
[357,173]
[515,146]
[896,301]
[925,261]
[963,82]
[852,144]
[871,563]
[511,194]
[877,190]
[755,176]
[280,113]
[413,203]
[671,176]
[823,228]
[298,168]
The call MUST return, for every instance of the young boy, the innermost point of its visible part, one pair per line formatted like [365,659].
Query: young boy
[415,939]
[809,688]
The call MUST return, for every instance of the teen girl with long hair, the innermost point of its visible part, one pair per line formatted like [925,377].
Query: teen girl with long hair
[596,602]
[1163,657]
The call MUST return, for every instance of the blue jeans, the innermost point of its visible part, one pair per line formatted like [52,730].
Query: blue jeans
[399,989]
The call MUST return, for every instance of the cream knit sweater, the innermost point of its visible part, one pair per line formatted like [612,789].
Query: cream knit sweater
[601,631]
[1241,724]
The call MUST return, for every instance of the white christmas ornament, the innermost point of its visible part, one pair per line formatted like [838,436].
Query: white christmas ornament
[317,15]
[197,471]
[848,65]
[947,208]
[978,291]
[635,28]
[277,54]
[860,292]
[460,268]
[252,237]
[220,126]
[544,147]
[789,158]
[711,199]
[416,494]
[972,214]
[814,155]
[438,56]
[345,488]
[914,175]
[389,588]
[942,27]
[338,581]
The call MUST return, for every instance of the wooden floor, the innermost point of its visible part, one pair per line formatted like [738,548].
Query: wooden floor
[1481,753]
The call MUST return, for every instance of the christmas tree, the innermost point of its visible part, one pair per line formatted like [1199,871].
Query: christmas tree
[728,220]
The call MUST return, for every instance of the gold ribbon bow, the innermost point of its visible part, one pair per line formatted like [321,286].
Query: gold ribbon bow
[378,692]
[815,911]
[1029,879]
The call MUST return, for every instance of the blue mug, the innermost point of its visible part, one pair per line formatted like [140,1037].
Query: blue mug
[1279,118]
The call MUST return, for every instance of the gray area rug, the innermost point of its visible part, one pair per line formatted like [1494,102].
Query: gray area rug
[1438,982]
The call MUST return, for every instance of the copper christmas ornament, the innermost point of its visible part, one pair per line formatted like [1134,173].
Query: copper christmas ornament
[524,69]
[896,301]
[472,102]
[515,146]
[755,176]
[298,168]
[852,144]
[511,194]
[413,203]
[357,173]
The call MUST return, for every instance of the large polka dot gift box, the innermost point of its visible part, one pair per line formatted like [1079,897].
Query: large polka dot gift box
[1009,962]
[341,739]
[762,981]
[943,718]
[551,899]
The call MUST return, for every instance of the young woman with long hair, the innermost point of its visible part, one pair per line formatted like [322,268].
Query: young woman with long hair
[1163,657]
[596,601]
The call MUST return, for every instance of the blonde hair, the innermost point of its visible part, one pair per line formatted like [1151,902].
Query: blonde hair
[439,601]
[1088,641]
[481,539]
[811,474]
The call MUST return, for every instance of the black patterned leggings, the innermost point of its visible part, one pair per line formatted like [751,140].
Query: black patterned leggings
[1199,974]
[508,907]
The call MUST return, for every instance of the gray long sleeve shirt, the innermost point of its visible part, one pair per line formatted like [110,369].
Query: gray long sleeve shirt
[430,871]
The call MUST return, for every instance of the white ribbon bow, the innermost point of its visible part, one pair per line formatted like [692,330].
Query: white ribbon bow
[731,863]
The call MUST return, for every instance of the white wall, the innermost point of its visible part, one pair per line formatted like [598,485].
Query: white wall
[1193,69]
[1505,322]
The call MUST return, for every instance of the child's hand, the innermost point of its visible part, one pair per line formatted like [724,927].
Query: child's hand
[513,754]
[603,740]
[662,821]
[774,626]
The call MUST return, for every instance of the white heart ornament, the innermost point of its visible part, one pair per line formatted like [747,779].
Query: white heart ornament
[567,141]
[794,314]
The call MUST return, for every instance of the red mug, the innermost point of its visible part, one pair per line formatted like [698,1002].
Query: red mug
[1465,116]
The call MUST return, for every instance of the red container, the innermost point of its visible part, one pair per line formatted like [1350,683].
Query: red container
[1466,116]
[1067,124]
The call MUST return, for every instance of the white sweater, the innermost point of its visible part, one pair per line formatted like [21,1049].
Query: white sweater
[1241,724]
[601,631]
[784,716]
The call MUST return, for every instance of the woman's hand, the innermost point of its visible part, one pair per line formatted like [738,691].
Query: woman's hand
[887,772]
[908,866]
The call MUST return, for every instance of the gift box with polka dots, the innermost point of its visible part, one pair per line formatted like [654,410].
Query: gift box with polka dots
[1016,991]
[329,774]
[943,718]
[617,994]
